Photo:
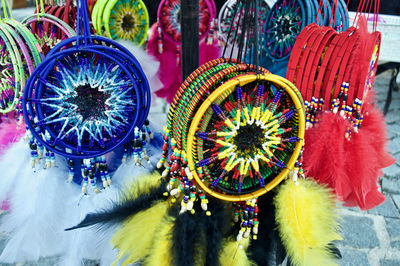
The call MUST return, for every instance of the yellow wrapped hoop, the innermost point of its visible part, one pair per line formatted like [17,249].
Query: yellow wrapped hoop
[223,91]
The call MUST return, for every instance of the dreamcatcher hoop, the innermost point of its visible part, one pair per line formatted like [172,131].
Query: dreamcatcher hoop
[109,18]
[226,89]
[227,18]
[126,96]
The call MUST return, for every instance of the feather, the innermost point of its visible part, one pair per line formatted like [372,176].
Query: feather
[263,250]
[307,222]
[324,154]
[362,167]
[161,247]
[134,238]
[14,164]
[209,52]
[183,239]
[36,215]
[150,65]
[374,127]
[217,227]
[10,132]
[234,253]
[170,71]
[139,196]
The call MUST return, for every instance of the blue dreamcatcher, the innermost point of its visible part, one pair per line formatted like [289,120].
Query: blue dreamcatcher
[286,20]
[87,98]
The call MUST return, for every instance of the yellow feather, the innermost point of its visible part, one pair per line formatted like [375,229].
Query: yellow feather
[160,251]
[134,238]
[305,213]
[234,254]
[143,185]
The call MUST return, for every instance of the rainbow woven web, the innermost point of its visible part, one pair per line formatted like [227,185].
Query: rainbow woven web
[128,21]
[246,140]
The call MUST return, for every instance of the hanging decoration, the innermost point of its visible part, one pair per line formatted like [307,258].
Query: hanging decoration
[287,19]
[227,19]
[76,103]
[121,19]
[82,103]
[20,54]
[234,132]
[334,72]
[165,37]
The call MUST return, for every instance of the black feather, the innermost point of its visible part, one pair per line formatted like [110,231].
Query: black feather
[123,209]
[183,239]
[266,250]
[335,251]
[217,226]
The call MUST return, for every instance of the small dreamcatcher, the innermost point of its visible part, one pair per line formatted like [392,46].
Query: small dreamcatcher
[230,15]
[86,99]
[121,19]
[287,19]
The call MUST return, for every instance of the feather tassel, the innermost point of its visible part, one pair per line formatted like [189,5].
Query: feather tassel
[234,253]
[134,238]
[161,247]
[141,195]
[307,221]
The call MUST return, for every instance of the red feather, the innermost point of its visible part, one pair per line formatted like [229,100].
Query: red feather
[363,169]
[324,157]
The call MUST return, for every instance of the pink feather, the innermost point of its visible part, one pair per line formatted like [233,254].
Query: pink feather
[170,72]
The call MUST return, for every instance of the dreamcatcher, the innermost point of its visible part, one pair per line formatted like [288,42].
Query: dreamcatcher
[82,102]
[20,54]
[64,10]
[334,72]
[165,38]
[85,107]
[48,29]
[121,19]
[287,19]
[235,132]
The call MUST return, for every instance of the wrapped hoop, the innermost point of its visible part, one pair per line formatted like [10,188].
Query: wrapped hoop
[224,91]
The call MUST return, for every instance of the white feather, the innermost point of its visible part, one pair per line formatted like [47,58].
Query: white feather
[149,64]
[36,213]
[14,163]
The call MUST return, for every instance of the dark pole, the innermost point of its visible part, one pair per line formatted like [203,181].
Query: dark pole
[190,36]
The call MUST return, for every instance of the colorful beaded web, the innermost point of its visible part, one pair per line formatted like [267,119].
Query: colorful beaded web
[121,19]
[209,135]
[88,97]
